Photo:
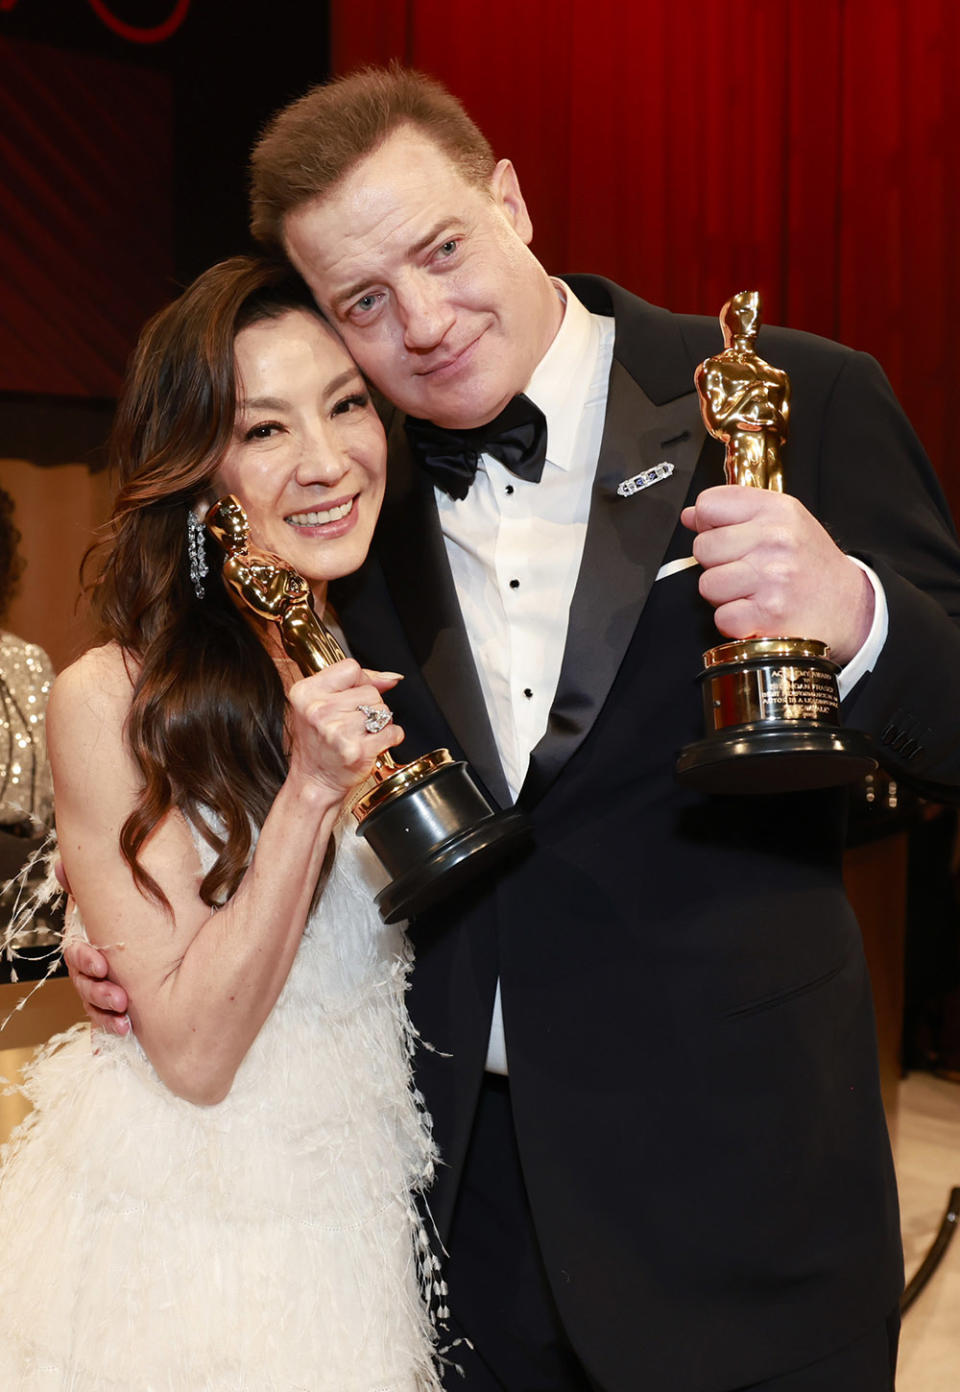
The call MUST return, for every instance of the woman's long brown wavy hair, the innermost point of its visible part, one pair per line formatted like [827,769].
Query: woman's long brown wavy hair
[206,720]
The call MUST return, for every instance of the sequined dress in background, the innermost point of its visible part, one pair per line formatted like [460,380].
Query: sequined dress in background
[27,937]
[26,785]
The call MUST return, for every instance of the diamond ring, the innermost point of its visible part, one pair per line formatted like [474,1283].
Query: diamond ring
[377,718]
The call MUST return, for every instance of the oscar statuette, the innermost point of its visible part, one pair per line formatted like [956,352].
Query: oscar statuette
[427,822]
[771,705]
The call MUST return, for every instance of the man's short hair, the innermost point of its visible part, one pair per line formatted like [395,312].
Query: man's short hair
[308,147]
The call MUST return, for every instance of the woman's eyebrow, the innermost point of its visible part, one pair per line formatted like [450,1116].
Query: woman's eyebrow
[264,403]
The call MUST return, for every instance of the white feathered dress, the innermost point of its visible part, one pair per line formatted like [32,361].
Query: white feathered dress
[265,1244]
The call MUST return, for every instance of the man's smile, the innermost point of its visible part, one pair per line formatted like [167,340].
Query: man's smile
[453,362]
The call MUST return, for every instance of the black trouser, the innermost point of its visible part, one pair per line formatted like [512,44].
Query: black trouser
[500,1298]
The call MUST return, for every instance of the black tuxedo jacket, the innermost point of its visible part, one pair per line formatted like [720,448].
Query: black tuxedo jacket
[687,1011]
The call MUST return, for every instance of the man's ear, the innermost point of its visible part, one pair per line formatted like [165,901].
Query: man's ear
[505,191]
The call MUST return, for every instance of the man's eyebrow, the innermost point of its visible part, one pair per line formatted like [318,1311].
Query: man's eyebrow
[445,224]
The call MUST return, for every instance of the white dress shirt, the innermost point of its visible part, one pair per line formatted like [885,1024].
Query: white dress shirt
[515,548]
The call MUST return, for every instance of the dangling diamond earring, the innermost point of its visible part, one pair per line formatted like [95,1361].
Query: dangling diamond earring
[197,552]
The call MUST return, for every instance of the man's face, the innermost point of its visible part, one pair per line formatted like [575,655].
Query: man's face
[429,280]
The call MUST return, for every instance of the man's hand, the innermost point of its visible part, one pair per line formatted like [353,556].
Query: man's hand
[771,570]
[104,1001]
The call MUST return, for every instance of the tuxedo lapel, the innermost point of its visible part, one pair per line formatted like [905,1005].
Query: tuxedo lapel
[411,550]
[625,544]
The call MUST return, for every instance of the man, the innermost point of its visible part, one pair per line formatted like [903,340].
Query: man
[653,1077]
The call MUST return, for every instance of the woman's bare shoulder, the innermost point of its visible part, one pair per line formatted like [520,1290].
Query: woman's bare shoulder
[96,690]
[109,670]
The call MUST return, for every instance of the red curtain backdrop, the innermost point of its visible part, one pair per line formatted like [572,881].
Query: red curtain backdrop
[809,148]
[86,247]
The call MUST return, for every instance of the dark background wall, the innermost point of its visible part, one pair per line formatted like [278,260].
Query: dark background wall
[123,163]
[122,174]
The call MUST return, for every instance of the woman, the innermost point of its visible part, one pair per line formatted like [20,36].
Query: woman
[26,673]
[224,1199]
[26,784]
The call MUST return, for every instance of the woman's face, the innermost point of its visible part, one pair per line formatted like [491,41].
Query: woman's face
[308,454]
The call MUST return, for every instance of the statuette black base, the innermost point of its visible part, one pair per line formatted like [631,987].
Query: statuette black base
[770,758]
[436,835]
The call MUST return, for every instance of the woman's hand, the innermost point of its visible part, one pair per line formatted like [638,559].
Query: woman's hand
[330,746]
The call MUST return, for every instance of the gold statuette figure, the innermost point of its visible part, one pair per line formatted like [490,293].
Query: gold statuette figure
[744,401]
[267,585]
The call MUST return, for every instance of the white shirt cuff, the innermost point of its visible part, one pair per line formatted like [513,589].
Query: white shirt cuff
[865,660]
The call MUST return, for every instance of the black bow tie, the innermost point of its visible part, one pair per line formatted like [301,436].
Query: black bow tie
[517,437]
